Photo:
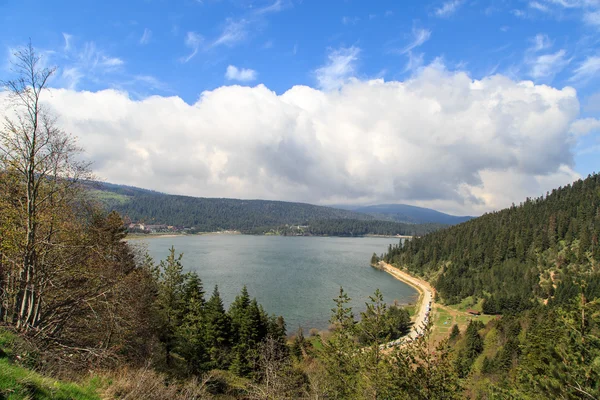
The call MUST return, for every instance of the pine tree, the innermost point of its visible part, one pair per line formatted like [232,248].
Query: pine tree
[218,331]
[243,322]
[455,332]
[374,329]
[191,334]
[170,301]
[338,353]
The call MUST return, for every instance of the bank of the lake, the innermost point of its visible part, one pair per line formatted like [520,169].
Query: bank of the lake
[296,277]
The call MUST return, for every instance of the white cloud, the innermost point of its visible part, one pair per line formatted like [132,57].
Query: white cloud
[439,139]
[233,33]
[548,65]
[420,36]
[193,41]
[350,20]
[415,62]
[240,74]
[341,66]
[539,6]
[67,38]
[584,126]
[80,63]
[448,8]
[146,36]
[541,42]
[588,69]
[587,10]
[111,61]
[592,18]
[277,6]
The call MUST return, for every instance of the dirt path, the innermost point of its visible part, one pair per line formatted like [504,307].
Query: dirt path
[423,306]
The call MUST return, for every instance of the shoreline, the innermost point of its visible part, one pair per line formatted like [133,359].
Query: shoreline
[171,235]
[426,296]
[135,236]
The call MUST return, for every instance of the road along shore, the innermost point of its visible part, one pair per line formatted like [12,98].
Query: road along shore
[423,306]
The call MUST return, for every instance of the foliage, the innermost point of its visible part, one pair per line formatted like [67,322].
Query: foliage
[501,256]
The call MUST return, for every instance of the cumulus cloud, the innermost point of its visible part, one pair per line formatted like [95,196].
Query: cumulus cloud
[439,139]
[234,73]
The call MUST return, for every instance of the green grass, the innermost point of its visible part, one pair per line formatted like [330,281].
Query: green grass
[109,197]
[315,342]
[17,382]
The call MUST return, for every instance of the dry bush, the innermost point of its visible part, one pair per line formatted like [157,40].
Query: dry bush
[147,384]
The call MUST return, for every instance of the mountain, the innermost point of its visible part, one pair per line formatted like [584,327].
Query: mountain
[407,214]
[201,214]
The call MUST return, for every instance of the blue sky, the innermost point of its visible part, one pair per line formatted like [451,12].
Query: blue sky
[183,48]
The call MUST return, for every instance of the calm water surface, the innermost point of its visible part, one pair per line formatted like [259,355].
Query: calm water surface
[296,277]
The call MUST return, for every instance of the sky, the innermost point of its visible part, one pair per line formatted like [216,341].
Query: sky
[462,106]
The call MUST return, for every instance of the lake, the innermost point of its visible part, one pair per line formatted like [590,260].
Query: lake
[296,277]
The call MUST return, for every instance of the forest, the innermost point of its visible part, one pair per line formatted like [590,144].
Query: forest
[211,214]
[513,254]
[255,217]
[536,266]
[348,227]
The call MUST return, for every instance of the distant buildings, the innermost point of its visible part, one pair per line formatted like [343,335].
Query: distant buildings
[143,228]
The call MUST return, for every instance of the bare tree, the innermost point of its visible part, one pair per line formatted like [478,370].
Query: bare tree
[43,160]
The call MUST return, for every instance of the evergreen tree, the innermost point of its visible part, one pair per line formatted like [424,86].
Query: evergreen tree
[455,333]
[218,331]
[170,302]
[374,329]
[244,319]
[337,353]
[191,334]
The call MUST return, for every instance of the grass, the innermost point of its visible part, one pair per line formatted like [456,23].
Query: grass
[110,197]
[315,342]
[17,382]
[20,383]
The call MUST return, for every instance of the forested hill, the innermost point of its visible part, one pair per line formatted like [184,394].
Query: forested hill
[511,256]
[212,214]
[407,214]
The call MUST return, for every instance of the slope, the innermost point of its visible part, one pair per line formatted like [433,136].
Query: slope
[408,214]
[512,256]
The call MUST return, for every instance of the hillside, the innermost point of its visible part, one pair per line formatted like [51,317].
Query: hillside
[407,214]
[249,216]
[536,266]
[511,256]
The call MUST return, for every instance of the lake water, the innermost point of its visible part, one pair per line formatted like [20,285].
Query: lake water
[296,277]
